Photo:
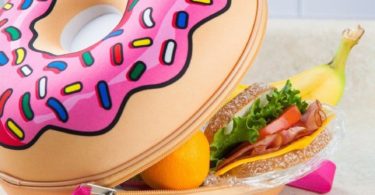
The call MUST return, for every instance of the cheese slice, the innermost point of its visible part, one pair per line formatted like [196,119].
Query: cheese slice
[297,145]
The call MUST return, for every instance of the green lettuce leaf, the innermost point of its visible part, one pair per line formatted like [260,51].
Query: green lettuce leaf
[246,128]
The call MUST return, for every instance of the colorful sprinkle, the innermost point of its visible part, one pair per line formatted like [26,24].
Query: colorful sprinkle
[182,20]
[26,70]
[58,65]
[132,5]
[42,87]
[15,129]
[46,101]
[26,107]
[148,21]
[58,108]
[73,88]
[13,32]
[117,54]
[20,54]
[88,59]
[3,100]
[8,6]
[143,42]
[104,95]
[114,34]
[3,22]
[169,52]
[26,4]
[204,2]
[137,71]
[3,59]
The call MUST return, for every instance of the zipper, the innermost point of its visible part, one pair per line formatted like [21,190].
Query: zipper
[91,189]
[99,190]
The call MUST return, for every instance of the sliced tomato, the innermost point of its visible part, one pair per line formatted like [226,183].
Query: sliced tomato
[291,116]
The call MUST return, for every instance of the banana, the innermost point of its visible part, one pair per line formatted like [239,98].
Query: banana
[324,82]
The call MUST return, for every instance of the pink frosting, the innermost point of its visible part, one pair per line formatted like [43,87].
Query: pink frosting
[85,92]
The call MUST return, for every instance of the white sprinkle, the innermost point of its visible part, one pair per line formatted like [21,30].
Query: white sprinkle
[42,87]
[147,18]
[26,70]
[169,52]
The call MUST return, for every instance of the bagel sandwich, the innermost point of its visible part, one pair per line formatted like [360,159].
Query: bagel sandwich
[264,129]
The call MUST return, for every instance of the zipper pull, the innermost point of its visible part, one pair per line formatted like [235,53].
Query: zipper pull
[91,189]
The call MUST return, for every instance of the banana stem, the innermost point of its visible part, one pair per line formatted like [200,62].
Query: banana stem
[350,38]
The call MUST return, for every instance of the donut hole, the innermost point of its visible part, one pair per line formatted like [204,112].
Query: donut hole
[72,25]
[89,27]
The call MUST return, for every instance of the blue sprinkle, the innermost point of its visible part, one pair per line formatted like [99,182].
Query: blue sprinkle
[58,108]
[3,59]
[114,34]
[59,65]
[104,96]
[182,20]
[26,4]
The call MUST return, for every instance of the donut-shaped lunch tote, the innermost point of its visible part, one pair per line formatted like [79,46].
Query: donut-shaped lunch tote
[104,113]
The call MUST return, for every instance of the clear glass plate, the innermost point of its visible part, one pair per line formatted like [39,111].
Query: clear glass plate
[336,129]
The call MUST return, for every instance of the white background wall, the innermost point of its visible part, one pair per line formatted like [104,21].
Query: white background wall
[323,9]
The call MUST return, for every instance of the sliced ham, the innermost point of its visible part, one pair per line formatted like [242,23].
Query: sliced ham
[290,135]
[311,120]
[314,116]
[269,144]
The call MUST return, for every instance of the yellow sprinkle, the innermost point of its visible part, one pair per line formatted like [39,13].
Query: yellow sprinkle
[21,53]
[73,88]
[208,2]
[15,129]
[8,6]
[142,42]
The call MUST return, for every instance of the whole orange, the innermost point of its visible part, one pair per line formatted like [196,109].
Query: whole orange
[185,168]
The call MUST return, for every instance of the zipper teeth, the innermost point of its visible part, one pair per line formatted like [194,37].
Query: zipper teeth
[166,192]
